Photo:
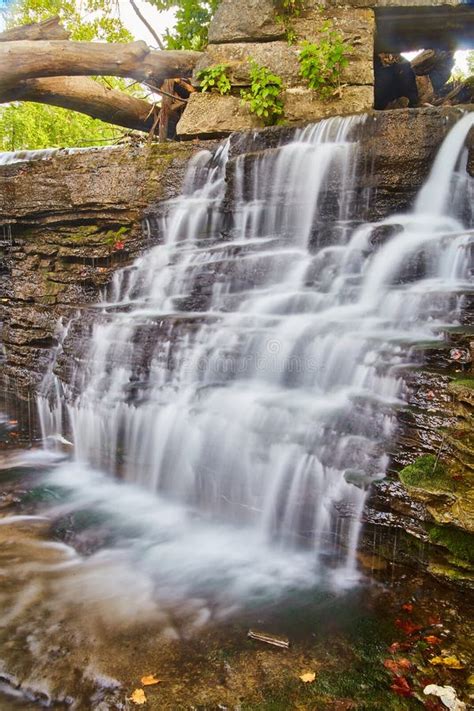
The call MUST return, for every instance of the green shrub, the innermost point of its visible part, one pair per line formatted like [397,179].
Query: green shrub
[322,64]
[264,95]
[215,78]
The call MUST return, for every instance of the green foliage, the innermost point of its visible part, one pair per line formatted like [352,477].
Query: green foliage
[286,10]
[290,7]
[459,543]
[86,21]
[321,64]
[264,96]
[470,62]
[28,125]
[192,22]
[215,78]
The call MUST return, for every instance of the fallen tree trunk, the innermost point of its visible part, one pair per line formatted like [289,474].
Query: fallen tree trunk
[88,97]
[48,29]
[25,59]
[38,64]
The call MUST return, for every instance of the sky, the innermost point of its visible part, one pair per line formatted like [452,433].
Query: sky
[160,21]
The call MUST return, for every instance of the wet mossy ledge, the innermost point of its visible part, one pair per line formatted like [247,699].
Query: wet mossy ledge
[423,512]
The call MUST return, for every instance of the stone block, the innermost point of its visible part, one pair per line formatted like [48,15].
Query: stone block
[212,115]
[245,21]
[303,104]
[279,57]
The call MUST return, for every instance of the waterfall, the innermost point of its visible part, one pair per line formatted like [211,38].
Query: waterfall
[242,376]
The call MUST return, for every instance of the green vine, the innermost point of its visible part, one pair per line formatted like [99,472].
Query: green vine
[322,64]
[264,97]
[215,78]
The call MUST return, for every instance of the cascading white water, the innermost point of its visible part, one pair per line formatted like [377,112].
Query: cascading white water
[245,375]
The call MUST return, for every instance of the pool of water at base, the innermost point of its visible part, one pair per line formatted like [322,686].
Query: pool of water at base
[81,624]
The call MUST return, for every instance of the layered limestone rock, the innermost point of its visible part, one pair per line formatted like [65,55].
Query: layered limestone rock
[255,31]
[69,221]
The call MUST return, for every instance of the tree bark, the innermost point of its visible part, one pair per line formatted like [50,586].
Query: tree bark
[24,59]
[48,29]
[88,97]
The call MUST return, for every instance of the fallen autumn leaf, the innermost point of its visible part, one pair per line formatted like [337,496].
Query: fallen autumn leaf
[450,662]
[149,680]
[138,697]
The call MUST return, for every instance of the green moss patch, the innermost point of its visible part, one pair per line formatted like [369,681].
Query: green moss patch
[459,543]
[427,472]
[465,380]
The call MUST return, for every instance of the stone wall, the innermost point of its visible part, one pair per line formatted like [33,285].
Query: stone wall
[251,30]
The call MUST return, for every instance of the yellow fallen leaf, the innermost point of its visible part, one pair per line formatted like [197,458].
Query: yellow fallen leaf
[138,697]
[149,680]
[450,662]
[308,677]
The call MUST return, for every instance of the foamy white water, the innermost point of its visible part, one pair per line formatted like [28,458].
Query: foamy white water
[243,376]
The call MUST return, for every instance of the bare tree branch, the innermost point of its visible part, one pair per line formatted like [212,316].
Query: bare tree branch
[147,24]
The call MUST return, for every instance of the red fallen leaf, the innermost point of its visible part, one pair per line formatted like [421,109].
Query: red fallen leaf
[430,395]
[434,620]
[434,705]
[408,607]
[119,245]
[432,639]
[407,626]
[400,686]
[397,665]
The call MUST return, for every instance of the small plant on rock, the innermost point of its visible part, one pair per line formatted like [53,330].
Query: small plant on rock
[287,10]
[264,95]
[322,64]
[215,78]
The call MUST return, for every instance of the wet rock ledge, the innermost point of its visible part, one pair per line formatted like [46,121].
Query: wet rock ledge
[67,222]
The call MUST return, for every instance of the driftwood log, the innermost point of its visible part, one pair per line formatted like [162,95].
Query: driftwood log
[39,63]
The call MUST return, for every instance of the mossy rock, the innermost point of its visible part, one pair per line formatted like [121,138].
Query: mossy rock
[459,543]
[429,474]
[459,577]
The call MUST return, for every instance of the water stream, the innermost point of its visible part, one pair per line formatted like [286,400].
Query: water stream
[239,389]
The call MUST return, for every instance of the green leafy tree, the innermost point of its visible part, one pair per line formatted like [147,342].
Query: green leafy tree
[86,21]
[27,125]
[470,63]
[192,22]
